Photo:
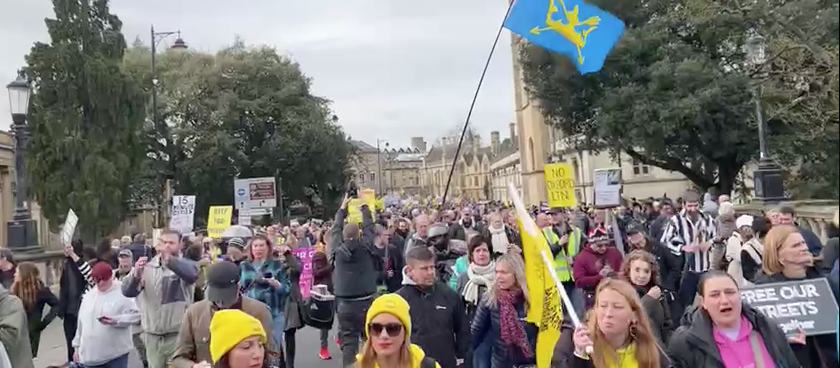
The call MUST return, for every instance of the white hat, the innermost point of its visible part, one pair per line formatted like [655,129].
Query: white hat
[744,220]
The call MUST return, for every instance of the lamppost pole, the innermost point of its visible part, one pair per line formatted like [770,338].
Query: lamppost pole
[379,164]
[769,176]
[22,230]
[157,37]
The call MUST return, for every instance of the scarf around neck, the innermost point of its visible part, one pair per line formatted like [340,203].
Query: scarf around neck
[512,328]
[478,276]
[499,239]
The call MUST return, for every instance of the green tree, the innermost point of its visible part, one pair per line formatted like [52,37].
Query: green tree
[246,112]
[85,117]
[674,93]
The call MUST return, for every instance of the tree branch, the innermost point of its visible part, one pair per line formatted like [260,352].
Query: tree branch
[673,165]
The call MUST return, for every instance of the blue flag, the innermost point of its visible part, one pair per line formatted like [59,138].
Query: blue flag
[572,27]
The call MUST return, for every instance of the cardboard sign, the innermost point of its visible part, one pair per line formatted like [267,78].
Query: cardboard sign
[809,304]
[183,213]
[69,227]
[305,255]
[560,185]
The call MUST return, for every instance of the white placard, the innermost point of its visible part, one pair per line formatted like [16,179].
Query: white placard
[608,187]
[182,218]
[69,227]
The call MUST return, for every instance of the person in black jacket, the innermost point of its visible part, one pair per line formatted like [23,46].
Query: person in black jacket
[694,343]
[75,280]
[438,316]
[391,264]
[354,277]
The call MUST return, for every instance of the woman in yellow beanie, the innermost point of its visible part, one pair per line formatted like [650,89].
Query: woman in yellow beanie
[388,328]
[237,340]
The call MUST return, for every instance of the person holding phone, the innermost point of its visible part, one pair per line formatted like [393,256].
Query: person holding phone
[264,278]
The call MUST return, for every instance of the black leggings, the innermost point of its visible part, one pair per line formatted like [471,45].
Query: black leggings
[70,321]
[289,340]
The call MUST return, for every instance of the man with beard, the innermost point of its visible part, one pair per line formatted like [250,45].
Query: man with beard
[663,217]
[401,228]
[689,236]
[464,227]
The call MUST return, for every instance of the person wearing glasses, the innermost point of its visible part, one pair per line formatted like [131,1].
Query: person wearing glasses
[388,331]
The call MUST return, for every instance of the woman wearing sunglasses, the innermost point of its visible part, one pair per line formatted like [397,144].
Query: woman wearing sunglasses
[388,330]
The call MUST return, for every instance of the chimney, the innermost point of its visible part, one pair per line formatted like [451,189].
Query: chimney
[443,150]
[476,143]
[513,132]
[494,142]
[419,144]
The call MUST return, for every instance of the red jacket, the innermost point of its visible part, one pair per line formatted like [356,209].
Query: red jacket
[588,265]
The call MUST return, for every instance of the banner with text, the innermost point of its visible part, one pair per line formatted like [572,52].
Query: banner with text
[608,187]
[560,185]
[305,255]
[183,213]
[218,220]
[809,304]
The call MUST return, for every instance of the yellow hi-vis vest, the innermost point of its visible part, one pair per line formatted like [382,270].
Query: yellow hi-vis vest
[561,264]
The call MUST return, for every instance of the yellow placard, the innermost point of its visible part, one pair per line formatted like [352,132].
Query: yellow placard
[218,220]
[354,212]
[560,185]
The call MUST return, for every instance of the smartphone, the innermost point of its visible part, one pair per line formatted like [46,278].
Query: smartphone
[268,275]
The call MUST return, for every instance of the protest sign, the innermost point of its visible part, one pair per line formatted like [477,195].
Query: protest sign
[809,304]
[560,185]
[305,255]
[69,227]
[366,196]
[183,213]
[607,187]
[218,220]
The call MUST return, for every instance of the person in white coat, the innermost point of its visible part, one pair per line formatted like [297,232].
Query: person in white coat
[743,233]
[103,337]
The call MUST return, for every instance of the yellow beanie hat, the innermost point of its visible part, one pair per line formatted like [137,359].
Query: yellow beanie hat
[228,328]
[393,304]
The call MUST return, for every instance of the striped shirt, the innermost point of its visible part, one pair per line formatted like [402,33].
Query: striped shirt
[681,230]
[84,269]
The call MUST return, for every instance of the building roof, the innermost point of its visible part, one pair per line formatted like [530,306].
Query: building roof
[506,148]
[437,152]
[363,146]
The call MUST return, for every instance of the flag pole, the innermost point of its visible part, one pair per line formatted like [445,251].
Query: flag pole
[472,106]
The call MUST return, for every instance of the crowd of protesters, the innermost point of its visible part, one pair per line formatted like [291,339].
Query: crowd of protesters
[656,283]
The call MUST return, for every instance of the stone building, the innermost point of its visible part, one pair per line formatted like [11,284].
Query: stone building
[505,167]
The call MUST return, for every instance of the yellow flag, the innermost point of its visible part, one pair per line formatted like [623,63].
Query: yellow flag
[546,306]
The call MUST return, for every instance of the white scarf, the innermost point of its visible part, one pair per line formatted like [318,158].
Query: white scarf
[499,240]
[478,276]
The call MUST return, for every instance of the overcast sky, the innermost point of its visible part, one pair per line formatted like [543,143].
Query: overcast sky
[393,69]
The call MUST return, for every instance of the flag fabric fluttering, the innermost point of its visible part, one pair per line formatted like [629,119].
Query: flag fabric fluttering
[546,306]
[572,27]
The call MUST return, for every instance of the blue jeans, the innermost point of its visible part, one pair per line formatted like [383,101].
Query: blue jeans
[482,355]
[279,325]
[121,362]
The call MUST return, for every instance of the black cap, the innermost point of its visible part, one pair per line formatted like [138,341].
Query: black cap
[237,242]
[222,282]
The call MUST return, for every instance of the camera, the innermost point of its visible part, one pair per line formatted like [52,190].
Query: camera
[352,189]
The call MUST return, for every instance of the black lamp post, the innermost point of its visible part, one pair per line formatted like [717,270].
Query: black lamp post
[769,177]
[22,229]
[157,37]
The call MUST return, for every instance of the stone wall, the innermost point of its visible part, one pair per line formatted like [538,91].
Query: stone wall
[812,214]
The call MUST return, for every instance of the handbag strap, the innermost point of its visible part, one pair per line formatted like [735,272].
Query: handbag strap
[758,353]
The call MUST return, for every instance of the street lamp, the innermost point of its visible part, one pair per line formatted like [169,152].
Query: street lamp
[768,177]
[156,38]
[379,164]
[22,230]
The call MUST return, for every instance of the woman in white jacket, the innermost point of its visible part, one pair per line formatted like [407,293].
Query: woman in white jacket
[103,337]
[743,232]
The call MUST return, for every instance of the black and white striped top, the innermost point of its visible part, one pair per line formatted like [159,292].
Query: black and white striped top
[84,269]
[681,230]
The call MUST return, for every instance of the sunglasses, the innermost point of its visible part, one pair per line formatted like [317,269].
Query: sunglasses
[393,329]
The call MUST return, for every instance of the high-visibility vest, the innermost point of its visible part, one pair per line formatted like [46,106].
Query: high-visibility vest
[561,263]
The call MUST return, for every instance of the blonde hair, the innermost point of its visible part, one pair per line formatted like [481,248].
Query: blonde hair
[647,350]
[368,354]
[776,237]
[517,264]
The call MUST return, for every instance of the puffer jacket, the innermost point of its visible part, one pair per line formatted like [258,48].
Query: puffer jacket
[658,311]
[693,344]
[487,328]
[815,346]
[163,293]
[14,333]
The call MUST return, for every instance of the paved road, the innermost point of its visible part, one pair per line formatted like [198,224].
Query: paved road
[52,351]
